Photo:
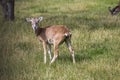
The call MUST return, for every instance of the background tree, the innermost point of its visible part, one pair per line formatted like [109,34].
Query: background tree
[8,9]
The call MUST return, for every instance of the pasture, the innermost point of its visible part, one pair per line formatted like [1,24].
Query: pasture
[95,38]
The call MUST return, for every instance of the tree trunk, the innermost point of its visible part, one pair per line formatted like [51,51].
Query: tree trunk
[11,9]
[8,9]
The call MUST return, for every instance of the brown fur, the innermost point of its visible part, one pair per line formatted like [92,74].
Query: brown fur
[51,32]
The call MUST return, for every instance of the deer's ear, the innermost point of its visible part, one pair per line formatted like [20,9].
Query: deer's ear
[28,19]
[40,19]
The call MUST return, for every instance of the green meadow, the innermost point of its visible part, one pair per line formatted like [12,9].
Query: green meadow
[95,38]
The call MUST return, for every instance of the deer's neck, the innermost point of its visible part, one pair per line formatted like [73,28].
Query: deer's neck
[39,31]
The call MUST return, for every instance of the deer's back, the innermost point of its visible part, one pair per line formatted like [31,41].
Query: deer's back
[56,30]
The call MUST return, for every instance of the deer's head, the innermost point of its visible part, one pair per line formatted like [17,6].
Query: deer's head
[34,22]
[114,10]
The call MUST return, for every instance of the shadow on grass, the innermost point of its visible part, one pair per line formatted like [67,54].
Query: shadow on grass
[93,51]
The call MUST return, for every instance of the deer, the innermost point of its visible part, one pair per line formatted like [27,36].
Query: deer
[115,10]
[52,35]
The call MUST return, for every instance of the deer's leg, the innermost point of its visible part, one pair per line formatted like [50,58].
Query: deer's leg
[45,48]
[49,51]
[68,43]
[55,53]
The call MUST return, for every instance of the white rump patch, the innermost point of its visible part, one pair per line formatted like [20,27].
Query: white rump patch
[50,41]
[67,34]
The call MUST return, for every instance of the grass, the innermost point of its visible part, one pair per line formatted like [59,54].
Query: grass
[95,39]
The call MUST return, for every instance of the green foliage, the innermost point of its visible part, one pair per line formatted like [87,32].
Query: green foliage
[95,38]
